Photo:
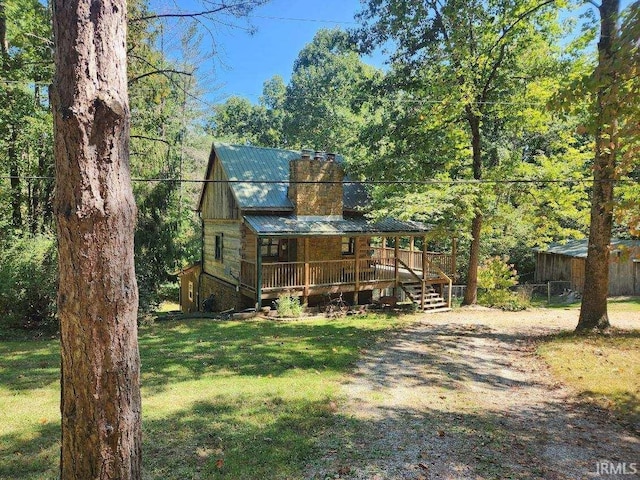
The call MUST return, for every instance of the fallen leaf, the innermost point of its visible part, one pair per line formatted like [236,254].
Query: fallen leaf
[441,433]
[423,467]
[219,463]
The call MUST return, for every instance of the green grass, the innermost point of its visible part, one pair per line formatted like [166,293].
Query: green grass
[234,400]
[604,369]
[614,304]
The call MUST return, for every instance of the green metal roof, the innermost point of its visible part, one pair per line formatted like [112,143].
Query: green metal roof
[291,226]
[578,248]
[247,162]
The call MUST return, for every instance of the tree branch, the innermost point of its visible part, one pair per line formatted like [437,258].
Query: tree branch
[142,137]
[155,72]
[494,70]
[520,18]
[189,15]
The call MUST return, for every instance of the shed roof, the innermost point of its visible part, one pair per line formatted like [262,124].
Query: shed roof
[270,165]
[578,248]
[292,226]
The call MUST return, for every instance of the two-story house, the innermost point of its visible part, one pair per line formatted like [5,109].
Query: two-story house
[277,221]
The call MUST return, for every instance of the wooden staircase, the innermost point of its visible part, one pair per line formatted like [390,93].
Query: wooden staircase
[433,301]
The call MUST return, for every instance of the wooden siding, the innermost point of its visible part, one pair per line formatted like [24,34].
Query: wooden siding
[190,277]
[554,267]
[229,268]
[218,201]
[249,244]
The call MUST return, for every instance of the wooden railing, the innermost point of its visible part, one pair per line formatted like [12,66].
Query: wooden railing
[331,272]
[376,271]
[413,259]
[283,275]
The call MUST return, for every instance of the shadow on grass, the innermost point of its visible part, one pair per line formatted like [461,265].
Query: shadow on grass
[32,455]
[211,441]
[248,437]
[29,365]
[546,442]
[178,351]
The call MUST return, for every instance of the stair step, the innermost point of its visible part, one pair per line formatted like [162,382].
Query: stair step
[435,304]
[419,291]
[428,295]
[437,310]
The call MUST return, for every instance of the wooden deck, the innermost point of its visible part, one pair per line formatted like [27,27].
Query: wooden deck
[382,270]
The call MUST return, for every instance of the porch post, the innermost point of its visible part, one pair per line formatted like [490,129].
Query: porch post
[383,252]
[259,273]
[454,253]
[424,270]
[305,294]
[356,252]
[424,258]
[411,248]
[396,246]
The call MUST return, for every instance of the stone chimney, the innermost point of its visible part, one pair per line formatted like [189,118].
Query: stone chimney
[315,185]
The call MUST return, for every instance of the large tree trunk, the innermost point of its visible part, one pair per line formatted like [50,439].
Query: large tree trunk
[471,293]
[593,311]
[95,212]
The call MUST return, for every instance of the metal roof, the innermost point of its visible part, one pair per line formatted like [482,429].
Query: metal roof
[283,226]
[247,162]
[578,248]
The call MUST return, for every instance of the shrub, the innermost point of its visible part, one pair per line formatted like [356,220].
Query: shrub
[28,282]
[288,306]
[496,278]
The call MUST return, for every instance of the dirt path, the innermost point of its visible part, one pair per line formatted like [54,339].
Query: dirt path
[454,398]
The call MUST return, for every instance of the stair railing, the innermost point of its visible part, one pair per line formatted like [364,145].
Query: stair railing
[442,275]
[420,279]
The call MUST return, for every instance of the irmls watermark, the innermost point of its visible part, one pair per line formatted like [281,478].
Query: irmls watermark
[617,468]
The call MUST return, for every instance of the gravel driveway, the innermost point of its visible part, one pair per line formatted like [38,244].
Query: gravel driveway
[462,395]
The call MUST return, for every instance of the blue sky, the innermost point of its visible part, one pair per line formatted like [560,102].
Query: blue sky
[282,28]
[243,62]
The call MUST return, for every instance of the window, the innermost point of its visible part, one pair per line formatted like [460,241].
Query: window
[219,247]
[191,291]
[348,245]
[269,248]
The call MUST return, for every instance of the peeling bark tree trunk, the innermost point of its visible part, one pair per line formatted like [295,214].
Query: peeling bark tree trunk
[95,212]
[471,293]
[593,311]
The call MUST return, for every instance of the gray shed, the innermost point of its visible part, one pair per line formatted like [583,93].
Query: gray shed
[565,261]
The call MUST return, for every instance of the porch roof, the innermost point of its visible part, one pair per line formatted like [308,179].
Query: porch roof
[292,226]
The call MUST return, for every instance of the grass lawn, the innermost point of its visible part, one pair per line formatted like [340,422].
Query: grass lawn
[614,304]
[235,400]
[604,369]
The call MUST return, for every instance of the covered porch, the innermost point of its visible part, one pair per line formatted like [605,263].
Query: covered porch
[363,262]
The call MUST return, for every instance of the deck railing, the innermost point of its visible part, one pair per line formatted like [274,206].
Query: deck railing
[413,259]
[283,275]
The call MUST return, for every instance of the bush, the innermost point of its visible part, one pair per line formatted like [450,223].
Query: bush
[28,282]
[288,306]
[496,278]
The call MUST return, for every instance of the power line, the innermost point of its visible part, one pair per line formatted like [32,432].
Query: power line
[307,20]
[360,182]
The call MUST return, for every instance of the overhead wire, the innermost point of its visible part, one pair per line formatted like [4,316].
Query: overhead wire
[361,182]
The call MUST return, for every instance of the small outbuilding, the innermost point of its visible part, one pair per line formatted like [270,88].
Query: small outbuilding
[190,288]
[566,262]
